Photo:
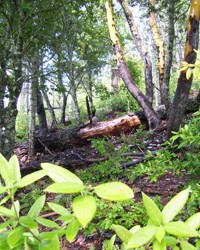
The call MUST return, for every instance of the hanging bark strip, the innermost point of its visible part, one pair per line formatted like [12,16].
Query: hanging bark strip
[141,49]
[152,117]
[184,84]
[158,43]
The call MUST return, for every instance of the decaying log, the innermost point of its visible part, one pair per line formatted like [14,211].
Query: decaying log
[123,124]
[60,139]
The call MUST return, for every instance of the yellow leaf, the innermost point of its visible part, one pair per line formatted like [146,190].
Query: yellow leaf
[189,73]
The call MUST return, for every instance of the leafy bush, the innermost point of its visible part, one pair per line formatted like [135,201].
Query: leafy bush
[22,232]
[161,231]
[124,213]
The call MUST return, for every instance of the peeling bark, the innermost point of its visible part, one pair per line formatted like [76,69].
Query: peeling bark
[152,117]
[184,85]
[159,45]
[141,49]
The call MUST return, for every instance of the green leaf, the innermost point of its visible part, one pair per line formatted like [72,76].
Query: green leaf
[160,233]
[111,243]
[175,205]
[142,236]
[58,209]
[159,245]
[84,208]
[31,178]
[59,174]
[16,207]
[170,241]
[26,246]
[152,210]
[72,230]
[53,243]
[135,229]
[194,221]
[5,199]
[187,246]
[175,248]
[3,240]
[6,212]
[3,189]
[15,168]
[5,224]
[14,236]
[27,221]
[65,188]
[123,233]
[180,229]
[37,207]
[66,218]
[5,170]
[115,191]
[47,223]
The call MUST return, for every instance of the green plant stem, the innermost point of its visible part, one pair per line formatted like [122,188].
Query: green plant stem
[13,203]
[34,236]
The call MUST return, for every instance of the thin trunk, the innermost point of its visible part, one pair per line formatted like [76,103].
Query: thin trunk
[33,107]
[90,94]
[115,77]
[152,117]
[169,56]
[159,45]
[76,105]
[41,111]
[143,53]
[184,85]
[50,108]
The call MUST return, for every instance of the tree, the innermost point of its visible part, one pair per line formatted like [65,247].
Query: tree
[152,117]
[141,49]
[12,46]
[184,84]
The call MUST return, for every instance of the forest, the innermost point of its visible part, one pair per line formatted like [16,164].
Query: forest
[99,124]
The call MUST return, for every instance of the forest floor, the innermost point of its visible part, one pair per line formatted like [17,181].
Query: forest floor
[80,157]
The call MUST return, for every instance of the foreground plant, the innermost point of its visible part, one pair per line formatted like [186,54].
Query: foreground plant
[161,231]
[22,231]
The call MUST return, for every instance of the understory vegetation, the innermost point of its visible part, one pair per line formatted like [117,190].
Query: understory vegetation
[111,211]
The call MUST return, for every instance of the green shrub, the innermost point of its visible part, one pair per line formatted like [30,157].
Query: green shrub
[22,231]
[161,231]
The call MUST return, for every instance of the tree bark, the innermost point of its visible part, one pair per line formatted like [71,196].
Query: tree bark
[52,113]
[143,52]
[152,117]
[159,45]
[184,84]
[41,111]
[59,139]
[169,56]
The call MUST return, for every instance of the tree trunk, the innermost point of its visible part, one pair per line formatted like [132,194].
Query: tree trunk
[152,117]
[50,108]
[184,85]
[143,53]
[115,77]
[41,111]
[33,104]
[75,100]
[159,45]
[169,56]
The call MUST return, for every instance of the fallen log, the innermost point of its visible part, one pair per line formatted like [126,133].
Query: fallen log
[123,124]
[59,139]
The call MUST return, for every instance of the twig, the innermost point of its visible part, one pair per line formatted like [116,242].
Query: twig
[46,148]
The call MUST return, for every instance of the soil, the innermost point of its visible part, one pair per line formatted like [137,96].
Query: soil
[76,157]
